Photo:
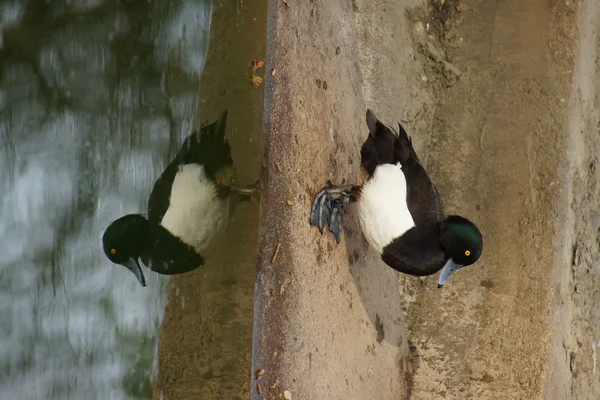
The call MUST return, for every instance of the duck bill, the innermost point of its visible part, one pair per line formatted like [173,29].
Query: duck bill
[134,266]
[449,268]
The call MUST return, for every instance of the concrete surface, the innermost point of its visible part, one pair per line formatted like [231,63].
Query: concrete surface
[318,303]
[484,88]
[573,366]
[500,135]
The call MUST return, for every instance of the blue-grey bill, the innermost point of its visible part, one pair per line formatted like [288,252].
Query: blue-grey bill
[134,266]
[449,268]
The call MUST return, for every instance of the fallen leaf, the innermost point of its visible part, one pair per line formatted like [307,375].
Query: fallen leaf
[286,3]
[289,202]
[256,81]
[254,64]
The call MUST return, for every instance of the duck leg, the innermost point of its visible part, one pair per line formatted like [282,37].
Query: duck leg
[249,193]
[327,207]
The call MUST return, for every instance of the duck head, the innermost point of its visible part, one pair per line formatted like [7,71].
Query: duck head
[463,243]
[123,242]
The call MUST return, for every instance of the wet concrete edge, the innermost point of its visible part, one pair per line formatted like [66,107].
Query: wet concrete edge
[200,355]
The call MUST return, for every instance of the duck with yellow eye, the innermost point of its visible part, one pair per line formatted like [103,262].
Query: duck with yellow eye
[188,209]
[124,242]
[400,211]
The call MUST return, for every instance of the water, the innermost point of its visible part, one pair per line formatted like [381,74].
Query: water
[95,96]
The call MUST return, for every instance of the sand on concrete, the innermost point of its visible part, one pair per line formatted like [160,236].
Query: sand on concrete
[318,304]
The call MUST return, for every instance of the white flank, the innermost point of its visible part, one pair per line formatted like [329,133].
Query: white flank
[195,214]
[382,206]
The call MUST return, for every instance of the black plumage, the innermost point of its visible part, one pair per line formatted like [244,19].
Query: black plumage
[135,236]
[434,241]
[384,146]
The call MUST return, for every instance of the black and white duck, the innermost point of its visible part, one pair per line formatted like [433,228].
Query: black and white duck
[187,209]
[400,211]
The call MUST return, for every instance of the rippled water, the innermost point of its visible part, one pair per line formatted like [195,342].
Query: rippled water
[94,98]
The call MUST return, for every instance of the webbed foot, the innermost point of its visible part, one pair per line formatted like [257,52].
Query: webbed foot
[327,207]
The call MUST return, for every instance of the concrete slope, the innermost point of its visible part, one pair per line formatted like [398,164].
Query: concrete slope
[318,304]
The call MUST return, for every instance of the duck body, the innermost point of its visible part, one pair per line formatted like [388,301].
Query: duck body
[190,199]
[195,210]
[381,219]
[400,211]
[187,209]
[407,206]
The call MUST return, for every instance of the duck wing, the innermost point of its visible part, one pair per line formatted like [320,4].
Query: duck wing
[424,200]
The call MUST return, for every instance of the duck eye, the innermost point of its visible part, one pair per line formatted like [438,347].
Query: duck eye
[467,253]
[113,251]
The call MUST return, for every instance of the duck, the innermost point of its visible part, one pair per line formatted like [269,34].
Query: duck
[188,208]
[400,211]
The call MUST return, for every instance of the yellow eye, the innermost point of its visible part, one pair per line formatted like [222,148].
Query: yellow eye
[113,251]
[467,253]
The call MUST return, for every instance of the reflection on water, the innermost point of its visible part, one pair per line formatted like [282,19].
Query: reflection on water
[95,97]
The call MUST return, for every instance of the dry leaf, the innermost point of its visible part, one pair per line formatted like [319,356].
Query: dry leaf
[256,81]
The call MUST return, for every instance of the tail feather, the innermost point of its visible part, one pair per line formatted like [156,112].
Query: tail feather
[403,135]
[379,147]
[213,130]
[208,147]
[404,145]
[371,122]
[377,129]
[385,146]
